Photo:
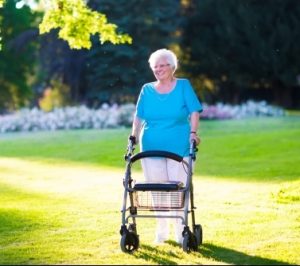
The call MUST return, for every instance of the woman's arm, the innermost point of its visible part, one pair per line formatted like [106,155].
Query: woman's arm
[136,128]
[195,120]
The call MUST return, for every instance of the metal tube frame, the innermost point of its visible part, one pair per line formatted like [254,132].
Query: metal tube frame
[188,190]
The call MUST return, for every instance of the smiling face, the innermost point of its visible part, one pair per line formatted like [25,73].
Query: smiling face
[162,69]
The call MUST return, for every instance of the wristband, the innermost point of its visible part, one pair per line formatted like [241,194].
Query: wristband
[193,132]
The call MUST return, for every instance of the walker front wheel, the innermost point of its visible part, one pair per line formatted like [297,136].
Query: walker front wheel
[189,243]
[198,233]
[129,242]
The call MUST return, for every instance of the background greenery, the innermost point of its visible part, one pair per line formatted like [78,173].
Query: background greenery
[61,192]
[61,195]
[231,50]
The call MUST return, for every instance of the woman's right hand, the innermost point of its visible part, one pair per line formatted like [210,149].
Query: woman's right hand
[132,139]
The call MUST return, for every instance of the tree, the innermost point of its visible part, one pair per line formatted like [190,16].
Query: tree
[73,22]
[152,24]
[17,62]
[76,23]
[245,46]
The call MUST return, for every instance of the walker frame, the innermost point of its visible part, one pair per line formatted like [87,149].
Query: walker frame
[179,198]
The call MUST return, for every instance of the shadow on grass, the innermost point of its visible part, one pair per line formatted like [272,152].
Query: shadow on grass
[155,256]
[22,212]
[16,223]
[231,256]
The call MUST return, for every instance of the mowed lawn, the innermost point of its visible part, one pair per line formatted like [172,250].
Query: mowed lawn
[61,195]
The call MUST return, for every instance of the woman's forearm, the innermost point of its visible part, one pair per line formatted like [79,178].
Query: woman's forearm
[195,119]
[136,127]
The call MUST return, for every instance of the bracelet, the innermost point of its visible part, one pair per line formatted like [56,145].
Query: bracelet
[193,132]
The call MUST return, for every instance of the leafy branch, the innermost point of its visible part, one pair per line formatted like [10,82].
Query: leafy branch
[76,23]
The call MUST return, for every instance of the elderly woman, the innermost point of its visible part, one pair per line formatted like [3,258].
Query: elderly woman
[166,118]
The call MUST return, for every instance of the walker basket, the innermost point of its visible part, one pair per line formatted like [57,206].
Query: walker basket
[159,196]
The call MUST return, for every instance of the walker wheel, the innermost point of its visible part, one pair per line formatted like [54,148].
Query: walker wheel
[129,242]
[198,233]
[189,243]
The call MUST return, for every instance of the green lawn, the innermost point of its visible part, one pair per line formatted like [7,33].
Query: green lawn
[61,195]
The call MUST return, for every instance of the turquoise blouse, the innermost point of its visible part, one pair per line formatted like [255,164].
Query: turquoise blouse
[166,117]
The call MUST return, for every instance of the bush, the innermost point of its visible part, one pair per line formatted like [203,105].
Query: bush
[79,117]
[245,110]
[115,116]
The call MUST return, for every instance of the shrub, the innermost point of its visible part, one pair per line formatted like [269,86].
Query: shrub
[115,116]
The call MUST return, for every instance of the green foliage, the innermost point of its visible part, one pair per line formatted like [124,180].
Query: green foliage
[232,50]
[244,45]
[152,25]
[56,95]
[77,22]
[17,58]
[1,5]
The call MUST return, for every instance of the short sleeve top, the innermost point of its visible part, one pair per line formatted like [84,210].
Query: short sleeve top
[166,117]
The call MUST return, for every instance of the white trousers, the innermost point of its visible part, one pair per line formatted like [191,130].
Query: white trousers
[164,170]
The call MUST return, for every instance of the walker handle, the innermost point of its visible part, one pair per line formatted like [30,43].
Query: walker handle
[132,139]
[164,154]
[130,147]
[193,149]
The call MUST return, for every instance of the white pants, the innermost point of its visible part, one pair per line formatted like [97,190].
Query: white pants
[163,170]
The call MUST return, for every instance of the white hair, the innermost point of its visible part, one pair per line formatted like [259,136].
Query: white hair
[163,53]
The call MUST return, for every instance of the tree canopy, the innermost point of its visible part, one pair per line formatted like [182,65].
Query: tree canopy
[17,61]
[231,50]
[76,23]
[245,46]
[151,25]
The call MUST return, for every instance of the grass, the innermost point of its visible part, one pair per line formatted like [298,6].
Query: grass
[61,195]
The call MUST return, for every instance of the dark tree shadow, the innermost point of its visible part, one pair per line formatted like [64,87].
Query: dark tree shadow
[155,256]
[231,256]
[19,222]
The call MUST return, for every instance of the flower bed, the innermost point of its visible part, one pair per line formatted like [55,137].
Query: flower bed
[115,116]
[79,117]
[245,110]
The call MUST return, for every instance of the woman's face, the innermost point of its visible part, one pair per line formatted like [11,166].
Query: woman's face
[162,70]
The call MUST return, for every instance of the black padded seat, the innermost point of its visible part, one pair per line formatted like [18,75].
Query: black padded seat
[158,186]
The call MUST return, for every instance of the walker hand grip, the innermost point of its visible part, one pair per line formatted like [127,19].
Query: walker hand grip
[164,154]
[130,147]
[194,144]
[193,149]
[132,139]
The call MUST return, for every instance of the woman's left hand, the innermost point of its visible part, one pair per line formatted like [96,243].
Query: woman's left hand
[194,136]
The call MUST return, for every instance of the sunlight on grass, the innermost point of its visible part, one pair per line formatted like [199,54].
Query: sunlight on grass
[57,178]
[58,213]
[289,193]
[61,196]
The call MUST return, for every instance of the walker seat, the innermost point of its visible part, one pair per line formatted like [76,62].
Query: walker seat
[158,186]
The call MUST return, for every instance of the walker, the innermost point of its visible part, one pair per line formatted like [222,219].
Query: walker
[148,197]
